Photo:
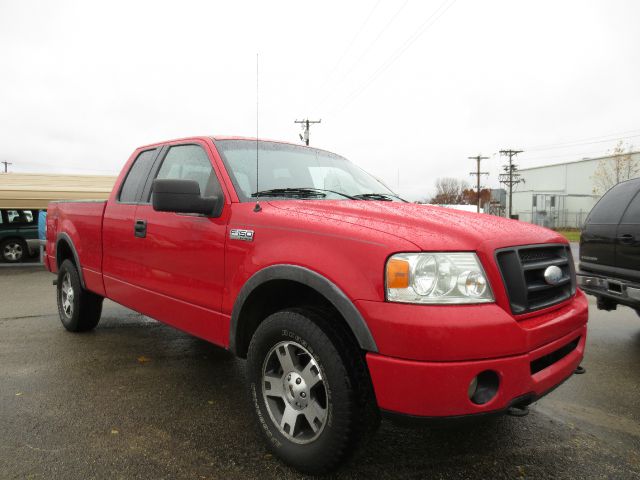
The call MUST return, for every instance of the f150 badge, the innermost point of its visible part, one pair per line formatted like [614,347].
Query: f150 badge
[240,234]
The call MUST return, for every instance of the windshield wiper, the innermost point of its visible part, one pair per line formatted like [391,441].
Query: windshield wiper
[300,192]
[386,197]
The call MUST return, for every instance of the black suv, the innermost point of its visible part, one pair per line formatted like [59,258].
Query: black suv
[610,248]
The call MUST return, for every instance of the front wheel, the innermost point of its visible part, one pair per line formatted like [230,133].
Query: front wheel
[79,309]
[310,389]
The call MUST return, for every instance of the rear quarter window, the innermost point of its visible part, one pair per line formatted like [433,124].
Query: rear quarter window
[136,177]
[632,214]
[609,210]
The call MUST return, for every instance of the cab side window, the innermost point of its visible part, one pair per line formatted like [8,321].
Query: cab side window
[613,204]
[190,162]
[133,184]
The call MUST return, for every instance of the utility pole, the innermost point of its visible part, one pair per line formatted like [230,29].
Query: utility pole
[511,177]
[478,173]
[6,164]
[306,123]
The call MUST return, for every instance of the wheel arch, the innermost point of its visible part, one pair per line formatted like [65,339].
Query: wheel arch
[13,237]
[65,249]
[247,314]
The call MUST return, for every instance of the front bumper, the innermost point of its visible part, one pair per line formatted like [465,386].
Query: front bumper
[441,389]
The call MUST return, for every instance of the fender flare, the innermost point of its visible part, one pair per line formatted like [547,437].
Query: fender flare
[66,238]
[314,280]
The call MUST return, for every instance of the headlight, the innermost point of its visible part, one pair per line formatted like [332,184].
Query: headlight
[455,277]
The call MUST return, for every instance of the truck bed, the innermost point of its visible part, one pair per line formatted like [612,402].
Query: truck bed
[81,223]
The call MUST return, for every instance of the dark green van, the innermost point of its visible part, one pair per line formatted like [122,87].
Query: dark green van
[18,234]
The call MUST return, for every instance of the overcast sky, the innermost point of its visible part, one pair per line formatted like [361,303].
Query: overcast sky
[413,87]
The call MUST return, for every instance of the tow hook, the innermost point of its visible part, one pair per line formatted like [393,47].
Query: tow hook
[518,410]
[522,410]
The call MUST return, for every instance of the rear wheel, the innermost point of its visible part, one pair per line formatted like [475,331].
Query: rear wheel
[310,388]
[79,309]
[13,250]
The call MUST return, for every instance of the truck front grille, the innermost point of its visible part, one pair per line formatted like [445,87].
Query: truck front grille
[523,269]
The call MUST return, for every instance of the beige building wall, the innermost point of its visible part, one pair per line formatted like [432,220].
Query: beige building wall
[36,190]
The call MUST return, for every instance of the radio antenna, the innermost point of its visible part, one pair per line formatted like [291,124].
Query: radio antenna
[257,208]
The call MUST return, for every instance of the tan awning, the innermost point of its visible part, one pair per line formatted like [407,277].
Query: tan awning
[36,190]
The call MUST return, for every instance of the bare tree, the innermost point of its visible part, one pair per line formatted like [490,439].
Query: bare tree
[620,166]
[450,191]
[470,196]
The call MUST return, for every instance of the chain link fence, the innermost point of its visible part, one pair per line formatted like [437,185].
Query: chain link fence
[556,219]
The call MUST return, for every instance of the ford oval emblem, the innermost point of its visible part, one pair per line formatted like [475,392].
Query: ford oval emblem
[552,275]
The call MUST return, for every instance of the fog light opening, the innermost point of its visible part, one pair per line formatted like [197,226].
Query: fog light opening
[484,387]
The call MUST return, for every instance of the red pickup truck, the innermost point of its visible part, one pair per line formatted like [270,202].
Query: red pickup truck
[346,301]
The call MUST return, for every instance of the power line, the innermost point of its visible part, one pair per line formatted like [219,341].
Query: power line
[478,174]
[367,49]
[306,123]
[576,144]
[432,19]
[572,156]
[598,156]
[346,50]
[511,177]
[6,164]
[615,136]
[569,156]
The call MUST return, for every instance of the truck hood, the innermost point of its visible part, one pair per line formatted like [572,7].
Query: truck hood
[428,227]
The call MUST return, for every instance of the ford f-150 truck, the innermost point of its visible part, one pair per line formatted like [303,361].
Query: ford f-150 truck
[346,301]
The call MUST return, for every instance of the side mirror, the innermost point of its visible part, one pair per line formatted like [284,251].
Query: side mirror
[183,196]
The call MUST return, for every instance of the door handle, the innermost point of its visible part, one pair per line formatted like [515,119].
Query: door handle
[140,228]
[626,238]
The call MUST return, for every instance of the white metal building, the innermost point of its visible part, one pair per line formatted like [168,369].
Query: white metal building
[559,195]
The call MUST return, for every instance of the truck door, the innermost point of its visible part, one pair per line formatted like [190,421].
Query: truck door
[118,244]
[628,239]
[598,240]
[179,258]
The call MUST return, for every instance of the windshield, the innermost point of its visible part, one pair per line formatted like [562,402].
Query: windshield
[292,171]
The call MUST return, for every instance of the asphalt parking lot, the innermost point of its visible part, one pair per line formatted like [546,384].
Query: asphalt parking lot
[137,399]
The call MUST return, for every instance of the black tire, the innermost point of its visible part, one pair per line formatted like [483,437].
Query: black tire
[13,250]
[79,309]
[351,414]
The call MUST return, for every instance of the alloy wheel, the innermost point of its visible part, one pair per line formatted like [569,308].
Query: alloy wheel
[66,295]
[294,392]
[13,251]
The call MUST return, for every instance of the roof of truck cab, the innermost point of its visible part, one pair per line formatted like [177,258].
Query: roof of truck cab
[216,138]
[252,139]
